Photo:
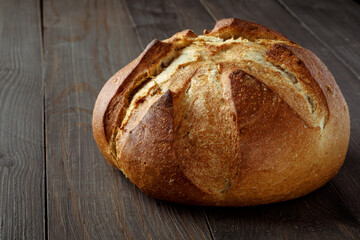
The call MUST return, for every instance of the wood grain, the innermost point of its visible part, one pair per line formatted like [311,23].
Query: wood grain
[342,192]
[334,23]
[21,127]
[86,42]
[162,19]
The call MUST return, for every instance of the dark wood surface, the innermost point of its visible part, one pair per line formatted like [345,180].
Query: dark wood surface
[54,58]
[22,199]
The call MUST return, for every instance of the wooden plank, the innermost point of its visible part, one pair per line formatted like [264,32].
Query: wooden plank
[309,217]
[346,192]
[161,19]
[334,23]
[86,42]
[21,127]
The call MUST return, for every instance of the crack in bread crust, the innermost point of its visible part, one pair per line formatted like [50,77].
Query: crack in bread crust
[123,100]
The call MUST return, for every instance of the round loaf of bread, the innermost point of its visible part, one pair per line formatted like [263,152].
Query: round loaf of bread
[237,116]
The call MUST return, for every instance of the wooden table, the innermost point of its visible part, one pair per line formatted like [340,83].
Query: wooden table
[54,58]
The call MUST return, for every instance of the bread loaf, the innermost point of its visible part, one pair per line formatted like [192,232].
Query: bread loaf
[237,116]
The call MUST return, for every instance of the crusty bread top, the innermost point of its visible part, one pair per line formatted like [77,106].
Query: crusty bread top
[114,99]
[254,69]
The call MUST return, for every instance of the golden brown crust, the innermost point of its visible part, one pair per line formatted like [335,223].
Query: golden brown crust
[235,28]
[239,116]
[149,149]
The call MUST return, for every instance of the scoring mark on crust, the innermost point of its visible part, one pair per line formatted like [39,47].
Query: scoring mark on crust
[124,100]
[287,59]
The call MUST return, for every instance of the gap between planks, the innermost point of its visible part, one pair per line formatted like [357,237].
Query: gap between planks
[45,198]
